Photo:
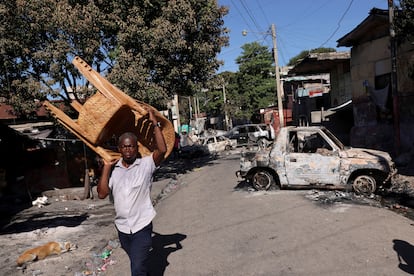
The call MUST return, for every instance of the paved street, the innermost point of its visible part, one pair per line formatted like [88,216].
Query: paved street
[215,230]
[205,226]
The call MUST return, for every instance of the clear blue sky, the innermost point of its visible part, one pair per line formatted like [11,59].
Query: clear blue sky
[300,25]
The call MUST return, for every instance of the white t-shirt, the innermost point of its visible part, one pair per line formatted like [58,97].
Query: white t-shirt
[131,190]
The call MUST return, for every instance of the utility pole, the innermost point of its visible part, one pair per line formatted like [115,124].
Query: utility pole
[278,90]
[394,87]
[226,116]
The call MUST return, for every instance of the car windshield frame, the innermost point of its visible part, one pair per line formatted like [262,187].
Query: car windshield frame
[333,138]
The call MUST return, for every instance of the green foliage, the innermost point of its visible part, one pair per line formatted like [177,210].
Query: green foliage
[404,27]
[149,49]
[255,85]
[305,53]
[404,21]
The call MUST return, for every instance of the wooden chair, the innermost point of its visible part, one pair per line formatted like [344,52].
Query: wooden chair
[109,113]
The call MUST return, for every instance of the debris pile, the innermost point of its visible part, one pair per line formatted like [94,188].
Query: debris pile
[172,185]
[332,197]
[98,263]
[40,201]
[402,184]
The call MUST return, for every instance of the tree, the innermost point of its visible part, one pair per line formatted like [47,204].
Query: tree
[404,26]
[212,99]
[404,21]
[149,49]
[255,80]
[178,42]
[305,53]
[39,38]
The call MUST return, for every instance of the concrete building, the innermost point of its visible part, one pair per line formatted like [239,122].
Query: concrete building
[332,107]
[383,118]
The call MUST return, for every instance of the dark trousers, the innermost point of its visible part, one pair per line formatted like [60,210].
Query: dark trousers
[137,246]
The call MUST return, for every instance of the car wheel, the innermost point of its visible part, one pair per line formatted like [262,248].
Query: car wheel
[227,147]
[364,185]
[262,180]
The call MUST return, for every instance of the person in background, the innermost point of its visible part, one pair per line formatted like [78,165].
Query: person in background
[129,180]
[176,150]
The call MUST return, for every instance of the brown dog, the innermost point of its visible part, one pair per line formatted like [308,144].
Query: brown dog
[41,252]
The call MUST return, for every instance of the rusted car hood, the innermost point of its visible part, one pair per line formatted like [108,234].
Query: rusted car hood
[367,154]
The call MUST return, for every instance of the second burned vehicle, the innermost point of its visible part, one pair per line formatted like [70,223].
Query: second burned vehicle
[314,157]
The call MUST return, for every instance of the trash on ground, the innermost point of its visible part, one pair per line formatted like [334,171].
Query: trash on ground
[99,262]
[40,201]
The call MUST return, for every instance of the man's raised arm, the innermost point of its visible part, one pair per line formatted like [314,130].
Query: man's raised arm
[160,146]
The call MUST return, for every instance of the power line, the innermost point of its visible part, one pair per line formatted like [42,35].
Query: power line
[308,11]
[241,15]
[339,23]
[280,41]
[250,14]
[264,14]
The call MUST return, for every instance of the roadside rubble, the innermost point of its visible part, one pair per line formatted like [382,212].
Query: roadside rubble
[88,224]
[99,261]
[324,197]
[40,201]
[398,198]
[402,184]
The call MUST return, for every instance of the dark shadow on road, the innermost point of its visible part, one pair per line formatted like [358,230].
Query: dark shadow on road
[162,247]
[243,185]
[38,222]
[174,166]
[9,207]
[405,253]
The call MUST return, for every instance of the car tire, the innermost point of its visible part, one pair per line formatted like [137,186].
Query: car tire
[227,147]
[364,185]
[262,180]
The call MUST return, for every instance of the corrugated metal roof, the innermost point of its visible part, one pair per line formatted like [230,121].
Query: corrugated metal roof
[320,62]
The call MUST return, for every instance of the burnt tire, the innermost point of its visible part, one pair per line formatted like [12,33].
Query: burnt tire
[364,185]
[262,180]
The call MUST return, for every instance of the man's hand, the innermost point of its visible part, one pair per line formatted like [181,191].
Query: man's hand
[103,183]
[160,146]
[110,163]
[151,114]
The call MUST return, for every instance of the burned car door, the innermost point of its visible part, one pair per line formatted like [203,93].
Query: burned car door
[310,159]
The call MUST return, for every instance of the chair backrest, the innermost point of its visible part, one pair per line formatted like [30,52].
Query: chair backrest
[109,113]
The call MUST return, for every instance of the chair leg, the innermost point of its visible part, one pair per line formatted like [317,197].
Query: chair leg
[107,155]
[64,119]
[104,86]
[111,92]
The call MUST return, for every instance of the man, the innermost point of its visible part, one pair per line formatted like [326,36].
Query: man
[130,182]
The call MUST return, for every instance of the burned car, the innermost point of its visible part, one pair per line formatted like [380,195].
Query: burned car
[314,157]
[218,143]
[261,134]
